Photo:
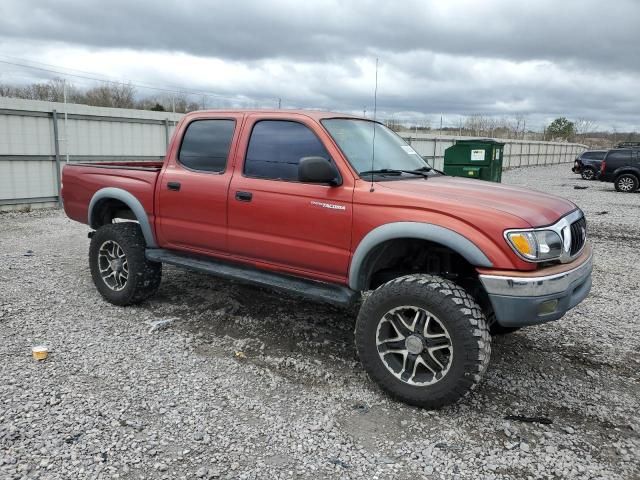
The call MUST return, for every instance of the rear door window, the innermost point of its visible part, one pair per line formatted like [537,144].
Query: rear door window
[619,156]
[276,147]
[205,145]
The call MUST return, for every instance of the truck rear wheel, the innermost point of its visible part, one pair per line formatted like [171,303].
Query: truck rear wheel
[423,339]
[119,268]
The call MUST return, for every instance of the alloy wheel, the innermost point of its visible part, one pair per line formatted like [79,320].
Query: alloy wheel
[113,266]
[626,184]
[414,345]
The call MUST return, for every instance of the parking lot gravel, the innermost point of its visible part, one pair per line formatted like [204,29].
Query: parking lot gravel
[217,380]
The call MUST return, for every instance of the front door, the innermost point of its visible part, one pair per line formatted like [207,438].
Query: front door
[275,219]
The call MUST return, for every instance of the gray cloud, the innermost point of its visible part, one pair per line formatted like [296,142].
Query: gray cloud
[580,30]
[576,57]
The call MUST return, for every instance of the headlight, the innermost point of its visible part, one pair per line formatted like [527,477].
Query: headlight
[535,245]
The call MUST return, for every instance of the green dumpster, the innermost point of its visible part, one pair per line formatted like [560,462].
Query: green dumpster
[475,159]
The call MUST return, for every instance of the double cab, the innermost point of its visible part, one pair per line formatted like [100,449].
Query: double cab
[339,209]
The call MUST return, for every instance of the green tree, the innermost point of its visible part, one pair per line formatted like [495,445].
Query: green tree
[560,128]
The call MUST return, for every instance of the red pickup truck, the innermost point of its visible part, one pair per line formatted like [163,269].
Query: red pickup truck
[331,207]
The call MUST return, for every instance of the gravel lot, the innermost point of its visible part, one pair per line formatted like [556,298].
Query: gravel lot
[122,397]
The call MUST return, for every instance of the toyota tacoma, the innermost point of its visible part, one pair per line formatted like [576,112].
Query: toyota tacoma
[340,209]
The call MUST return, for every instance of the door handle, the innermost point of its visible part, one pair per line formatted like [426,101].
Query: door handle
[244,196]
[173,186]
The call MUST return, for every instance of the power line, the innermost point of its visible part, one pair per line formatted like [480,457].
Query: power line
[55,66]
[95,77]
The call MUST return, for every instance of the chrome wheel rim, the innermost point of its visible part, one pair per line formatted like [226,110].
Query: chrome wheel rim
[113,265]
[414,345]
[625,184]
[588,174]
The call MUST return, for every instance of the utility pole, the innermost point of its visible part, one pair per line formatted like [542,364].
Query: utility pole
[440,124]
[203,98]
[279,103]
[364,112]
[66,129]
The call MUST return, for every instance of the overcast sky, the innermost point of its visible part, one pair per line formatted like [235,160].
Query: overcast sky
[538,58]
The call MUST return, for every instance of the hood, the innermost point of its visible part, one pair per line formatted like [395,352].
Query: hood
[536,208]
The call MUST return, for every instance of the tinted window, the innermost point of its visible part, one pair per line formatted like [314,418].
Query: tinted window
[276,147]
[619,155]
[206,145]
[594,155]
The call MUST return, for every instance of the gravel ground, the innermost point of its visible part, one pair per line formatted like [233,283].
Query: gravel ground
[123,397]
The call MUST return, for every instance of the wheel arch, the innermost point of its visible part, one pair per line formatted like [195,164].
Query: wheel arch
[104,196]
[624,170]
[365,256]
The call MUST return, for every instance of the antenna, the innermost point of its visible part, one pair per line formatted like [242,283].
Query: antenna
[375,111]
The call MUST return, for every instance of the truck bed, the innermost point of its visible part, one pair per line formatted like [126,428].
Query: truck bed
[80,181]
[153,166]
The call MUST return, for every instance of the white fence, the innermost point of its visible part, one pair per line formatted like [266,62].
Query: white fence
[517,153]
[37,138]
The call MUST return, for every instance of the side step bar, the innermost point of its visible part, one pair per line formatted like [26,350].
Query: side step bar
[314,290]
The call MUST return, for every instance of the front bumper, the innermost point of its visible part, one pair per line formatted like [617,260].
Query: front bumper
[524,300]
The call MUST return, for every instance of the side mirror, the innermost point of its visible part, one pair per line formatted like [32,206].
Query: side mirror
[317,170]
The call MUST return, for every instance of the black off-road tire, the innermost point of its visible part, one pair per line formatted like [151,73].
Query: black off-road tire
[143,276]
[588,173]
[626,183]
[456,310]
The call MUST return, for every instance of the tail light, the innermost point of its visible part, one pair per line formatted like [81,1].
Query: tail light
[603,167]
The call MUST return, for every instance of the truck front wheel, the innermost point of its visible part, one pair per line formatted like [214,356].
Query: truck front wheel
[120,271]
[423,339]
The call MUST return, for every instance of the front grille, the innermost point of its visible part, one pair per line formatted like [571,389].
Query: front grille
[578,235]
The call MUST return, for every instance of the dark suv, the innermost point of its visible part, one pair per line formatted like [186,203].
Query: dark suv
[622,167]
[588,163]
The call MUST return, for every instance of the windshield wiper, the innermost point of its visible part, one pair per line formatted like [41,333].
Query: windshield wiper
[429,169]
[382,171]
[396,172]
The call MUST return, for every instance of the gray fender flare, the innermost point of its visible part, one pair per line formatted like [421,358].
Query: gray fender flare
[132,202]
[425,231]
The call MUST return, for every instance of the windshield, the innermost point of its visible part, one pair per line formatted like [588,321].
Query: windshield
[355,139]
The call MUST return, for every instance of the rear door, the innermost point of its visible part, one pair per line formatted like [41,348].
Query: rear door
[278,221]
[192,193]
[617,159]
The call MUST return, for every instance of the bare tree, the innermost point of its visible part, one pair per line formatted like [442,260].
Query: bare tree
[111,95]
[394,124]
[477,124]
[583,127]
[51,91]
[517,126]
[8,91]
